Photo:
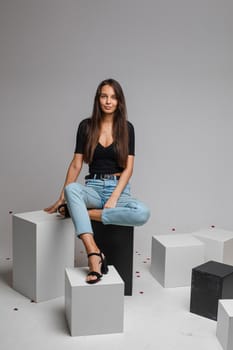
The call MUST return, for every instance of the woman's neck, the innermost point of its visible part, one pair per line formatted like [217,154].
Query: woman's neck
[107,118]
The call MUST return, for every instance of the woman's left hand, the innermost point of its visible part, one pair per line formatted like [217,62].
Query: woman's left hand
[111,203]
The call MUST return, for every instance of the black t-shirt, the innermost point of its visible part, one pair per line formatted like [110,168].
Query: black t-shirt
[104,158]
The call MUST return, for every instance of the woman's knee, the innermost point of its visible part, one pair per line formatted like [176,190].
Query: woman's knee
[142,214]
[73,188]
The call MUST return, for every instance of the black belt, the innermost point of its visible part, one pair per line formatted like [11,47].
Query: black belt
[102,177]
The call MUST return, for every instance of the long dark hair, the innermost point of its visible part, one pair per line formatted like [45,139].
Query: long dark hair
[120,128]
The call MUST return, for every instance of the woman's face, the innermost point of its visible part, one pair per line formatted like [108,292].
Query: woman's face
[108,100]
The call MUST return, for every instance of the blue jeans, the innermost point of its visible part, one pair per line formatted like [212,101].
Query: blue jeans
[128,211]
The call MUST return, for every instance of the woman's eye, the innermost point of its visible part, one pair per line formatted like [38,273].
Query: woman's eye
[105,96]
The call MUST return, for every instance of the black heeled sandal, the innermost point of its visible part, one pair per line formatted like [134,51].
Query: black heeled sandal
[103,269]
[63,210]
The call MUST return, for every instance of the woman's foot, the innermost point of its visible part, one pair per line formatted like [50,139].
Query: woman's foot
[96,260]
[97,265]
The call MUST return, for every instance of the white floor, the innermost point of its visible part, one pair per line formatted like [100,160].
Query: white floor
[155,318]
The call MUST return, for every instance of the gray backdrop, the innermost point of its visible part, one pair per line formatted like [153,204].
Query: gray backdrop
[174,61]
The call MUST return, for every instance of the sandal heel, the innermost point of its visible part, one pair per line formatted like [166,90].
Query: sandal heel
[104,267]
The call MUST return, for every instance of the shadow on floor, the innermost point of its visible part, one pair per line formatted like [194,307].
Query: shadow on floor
[6,276]
[61,322]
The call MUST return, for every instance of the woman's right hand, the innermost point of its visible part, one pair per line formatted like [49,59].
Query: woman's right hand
[53,208]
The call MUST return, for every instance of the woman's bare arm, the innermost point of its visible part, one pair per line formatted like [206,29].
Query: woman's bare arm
[71,176]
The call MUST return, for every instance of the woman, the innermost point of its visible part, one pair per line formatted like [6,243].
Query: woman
[106,142]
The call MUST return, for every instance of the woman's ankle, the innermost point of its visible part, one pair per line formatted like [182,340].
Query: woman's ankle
[95,214]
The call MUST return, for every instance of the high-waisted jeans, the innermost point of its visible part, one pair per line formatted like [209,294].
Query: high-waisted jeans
[128,211]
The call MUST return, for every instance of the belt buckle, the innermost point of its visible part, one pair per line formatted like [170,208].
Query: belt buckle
[106,177]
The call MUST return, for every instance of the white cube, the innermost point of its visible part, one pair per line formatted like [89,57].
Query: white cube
[173,257]
[43,246]
[224,330]
[94,308]
[218,244]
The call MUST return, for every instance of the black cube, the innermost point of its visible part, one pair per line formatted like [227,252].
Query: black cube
[210,282]
[117,244]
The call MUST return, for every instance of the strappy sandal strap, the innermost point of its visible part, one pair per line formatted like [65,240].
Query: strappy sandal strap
[97,254]
[63,210]
[94,273]
[103,262]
